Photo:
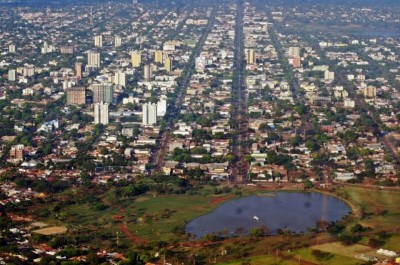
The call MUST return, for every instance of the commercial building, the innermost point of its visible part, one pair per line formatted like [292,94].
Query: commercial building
[11,48]
[162,107]
[76,96]
[120,79]
[102,93]
[136,58]
[101,113]
[117,41]
[12,75]
[149,114]
[17,153]
[147,72]
[158,56]
[251,57]
[168,64]
[94,59]
[78,70]
[98,41]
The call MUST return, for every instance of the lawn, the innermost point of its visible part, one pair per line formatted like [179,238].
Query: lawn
[382,206]
[348,251]
[330,259]
[153,218]
[262,260]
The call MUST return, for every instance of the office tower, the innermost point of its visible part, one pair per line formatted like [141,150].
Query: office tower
[17,153]
[147,72]
[11,48]
[101,113]
[78,70]
[168,64]
[76,96]
[120,78]
[94,59]
[200,63]
[136,58]
[98,41]
[149,114]
[117,41]
[251,57]
[369,92]
[158,56]
[102,93]
[162,106]
[294,51]
[11,75]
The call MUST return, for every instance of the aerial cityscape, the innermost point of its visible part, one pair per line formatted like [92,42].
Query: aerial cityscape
[231,132]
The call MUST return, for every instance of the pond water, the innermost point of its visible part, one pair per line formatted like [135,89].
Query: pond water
[295,211]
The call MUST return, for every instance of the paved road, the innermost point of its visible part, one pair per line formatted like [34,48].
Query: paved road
[158,158]
[239,168]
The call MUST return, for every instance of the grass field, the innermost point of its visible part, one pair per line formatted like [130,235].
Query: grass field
[381,206]
[262,260]
[155,217]
[348,251]
[331,259]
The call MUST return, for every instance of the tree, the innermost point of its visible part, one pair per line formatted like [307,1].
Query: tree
[256,232]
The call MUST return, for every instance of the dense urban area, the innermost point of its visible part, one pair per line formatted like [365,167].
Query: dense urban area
[123,121]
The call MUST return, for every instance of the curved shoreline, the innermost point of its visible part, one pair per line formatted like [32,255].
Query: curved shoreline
[270,194]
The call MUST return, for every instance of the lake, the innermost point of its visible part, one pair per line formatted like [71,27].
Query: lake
[295,211]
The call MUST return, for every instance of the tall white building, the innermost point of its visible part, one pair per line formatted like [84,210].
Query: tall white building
[117,41]
[11,48]
[98,41]
[94,59]
[147,72]
[101,113]
[149,114]
[162,106]
[120,78]
[11,75]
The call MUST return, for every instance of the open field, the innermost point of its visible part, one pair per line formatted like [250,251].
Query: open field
[262,260]
[330,259]
[155,217]
[152,217]
[348,251]
[55,230]
[381,206]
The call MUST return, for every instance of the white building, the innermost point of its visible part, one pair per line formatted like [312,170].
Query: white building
[149,114]
[98,41]
[120,78]
[147,72]
[11,48]
[162,106]
[94,59]
[11,75]
[101,113]
[117,41]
